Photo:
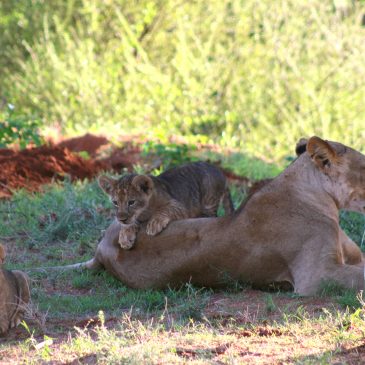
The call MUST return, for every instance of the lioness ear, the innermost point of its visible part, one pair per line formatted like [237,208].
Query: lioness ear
[301,146]
[321,152]
[143,183]
[107,183]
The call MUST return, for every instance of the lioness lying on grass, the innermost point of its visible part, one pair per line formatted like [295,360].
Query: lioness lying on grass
[287,231]
[14,295]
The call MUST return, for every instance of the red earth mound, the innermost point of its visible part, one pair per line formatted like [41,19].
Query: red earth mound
[31,168]
[89,143]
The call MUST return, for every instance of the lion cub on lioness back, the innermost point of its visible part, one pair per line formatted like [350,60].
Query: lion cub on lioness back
[189,191]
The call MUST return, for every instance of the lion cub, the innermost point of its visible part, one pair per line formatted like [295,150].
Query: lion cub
[15,294]
[189,191]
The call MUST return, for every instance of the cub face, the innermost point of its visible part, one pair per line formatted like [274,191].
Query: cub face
[130,195]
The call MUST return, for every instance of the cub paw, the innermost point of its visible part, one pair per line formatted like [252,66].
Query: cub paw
[127,237]
[156,225]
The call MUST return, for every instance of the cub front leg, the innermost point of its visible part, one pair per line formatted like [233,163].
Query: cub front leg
[171,212]
[157,223]
[127,236]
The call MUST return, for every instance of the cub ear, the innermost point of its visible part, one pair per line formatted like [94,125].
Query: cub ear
[301,146]
[143,183]
[107,183]
[321,152]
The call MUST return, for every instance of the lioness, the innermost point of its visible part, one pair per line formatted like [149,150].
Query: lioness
[287,231]
[350,251]
[14,295]
[189,191]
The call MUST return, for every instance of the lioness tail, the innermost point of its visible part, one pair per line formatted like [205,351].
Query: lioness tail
[92,264]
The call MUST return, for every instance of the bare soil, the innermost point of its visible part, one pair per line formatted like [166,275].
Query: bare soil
[33,167]
[78,158]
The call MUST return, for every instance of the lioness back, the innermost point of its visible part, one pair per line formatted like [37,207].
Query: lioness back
[15,294]
[188,191]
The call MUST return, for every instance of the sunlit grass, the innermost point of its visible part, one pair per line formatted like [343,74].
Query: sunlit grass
[256,75]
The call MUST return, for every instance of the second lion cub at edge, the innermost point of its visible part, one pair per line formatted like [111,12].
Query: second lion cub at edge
[189,191]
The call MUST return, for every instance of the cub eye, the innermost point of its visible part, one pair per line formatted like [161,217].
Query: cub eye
[115,203]
[131,202]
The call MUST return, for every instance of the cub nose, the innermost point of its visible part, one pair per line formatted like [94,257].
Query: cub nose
[122,218]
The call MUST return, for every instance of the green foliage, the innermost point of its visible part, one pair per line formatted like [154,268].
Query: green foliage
[250,74]
[171,154]
[344,296]
[18,129]
[270,304]
[64,213]
[354,226]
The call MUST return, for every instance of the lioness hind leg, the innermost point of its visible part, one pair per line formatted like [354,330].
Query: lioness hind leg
[351,251]
[348,276]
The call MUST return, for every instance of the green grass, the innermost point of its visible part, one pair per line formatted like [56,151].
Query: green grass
[63,220]
[256,75]
[62,225]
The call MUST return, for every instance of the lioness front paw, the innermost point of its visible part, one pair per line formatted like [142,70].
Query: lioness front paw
[156,225]
[127,237]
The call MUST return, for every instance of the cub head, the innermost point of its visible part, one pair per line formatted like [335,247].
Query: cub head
[130,195]
[344,166]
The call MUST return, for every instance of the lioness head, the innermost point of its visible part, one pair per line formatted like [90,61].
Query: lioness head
[344,167]
[130,195]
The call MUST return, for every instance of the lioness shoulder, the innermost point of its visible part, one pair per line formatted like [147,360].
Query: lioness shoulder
[189,191]
[15,294]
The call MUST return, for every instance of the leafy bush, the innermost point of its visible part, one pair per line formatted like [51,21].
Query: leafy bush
[18,129]
[250,74]
[171,154]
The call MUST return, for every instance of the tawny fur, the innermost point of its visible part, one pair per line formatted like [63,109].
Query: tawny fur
[2,254]
[15,294]
[189,191]
[288,231]
[350,251]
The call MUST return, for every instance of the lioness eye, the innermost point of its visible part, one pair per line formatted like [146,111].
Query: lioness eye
[131,202]
[115,203]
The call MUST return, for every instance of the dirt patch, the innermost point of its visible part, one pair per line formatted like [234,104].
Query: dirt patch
[88,143]
[79,158]
[33,167]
